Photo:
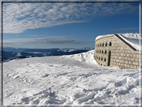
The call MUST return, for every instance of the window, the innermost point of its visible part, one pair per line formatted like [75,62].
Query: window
[110,44]
[105,52]
[106,44]
[102,51]
[103,44]
[101,58]
[105,59]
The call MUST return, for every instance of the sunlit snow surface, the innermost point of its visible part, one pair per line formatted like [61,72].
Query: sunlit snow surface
[68,80]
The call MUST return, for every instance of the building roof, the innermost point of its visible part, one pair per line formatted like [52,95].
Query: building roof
[133,39]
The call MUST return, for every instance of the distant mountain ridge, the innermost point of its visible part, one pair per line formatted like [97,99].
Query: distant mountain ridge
[16,53]
[27,49]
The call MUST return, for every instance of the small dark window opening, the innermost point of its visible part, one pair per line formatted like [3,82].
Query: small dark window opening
[101,58]
[105,52]
[105,59]
[102,51]
[106,44]
[103,44]
[110,44]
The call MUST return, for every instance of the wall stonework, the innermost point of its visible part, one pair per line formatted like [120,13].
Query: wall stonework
[112,51]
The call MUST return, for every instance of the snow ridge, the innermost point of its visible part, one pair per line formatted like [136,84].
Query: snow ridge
[131,35]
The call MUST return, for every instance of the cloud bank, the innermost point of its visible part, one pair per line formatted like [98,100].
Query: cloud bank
[124,29]
[45,40]
[18,17]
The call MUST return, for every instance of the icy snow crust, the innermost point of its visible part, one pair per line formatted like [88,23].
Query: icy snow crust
[132,38]
[68,80]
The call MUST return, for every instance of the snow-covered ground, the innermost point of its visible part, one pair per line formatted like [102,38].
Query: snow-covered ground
[68,80]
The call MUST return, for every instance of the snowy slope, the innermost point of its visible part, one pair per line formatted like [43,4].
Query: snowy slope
[13,53]
[68,80]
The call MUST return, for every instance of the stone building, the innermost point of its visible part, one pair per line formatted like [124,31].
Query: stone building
[112,50]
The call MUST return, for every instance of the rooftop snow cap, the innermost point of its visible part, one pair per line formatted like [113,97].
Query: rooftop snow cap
[101,36]
[133,39]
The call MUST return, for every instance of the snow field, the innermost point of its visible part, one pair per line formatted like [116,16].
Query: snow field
[68,80]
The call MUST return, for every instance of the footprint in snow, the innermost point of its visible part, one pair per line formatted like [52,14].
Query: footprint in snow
[36,101]
[46,75]
[51,98]
[25,100]
[50,65]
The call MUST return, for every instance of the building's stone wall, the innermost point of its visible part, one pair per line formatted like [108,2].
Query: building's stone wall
[121,54]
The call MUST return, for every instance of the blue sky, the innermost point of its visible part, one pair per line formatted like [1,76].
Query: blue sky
[62,25]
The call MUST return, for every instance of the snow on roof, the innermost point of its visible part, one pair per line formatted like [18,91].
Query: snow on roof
[101,36]
[131,38]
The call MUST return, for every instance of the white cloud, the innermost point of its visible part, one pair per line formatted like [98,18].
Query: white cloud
[124,29]
[19,17]
[45,40]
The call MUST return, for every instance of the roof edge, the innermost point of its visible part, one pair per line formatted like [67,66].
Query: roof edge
[126,42]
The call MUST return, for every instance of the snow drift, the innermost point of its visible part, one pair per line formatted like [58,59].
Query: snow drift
[69,80]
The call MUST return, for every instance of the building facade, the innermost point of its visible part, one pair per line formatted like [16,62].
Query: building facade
[111,50]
